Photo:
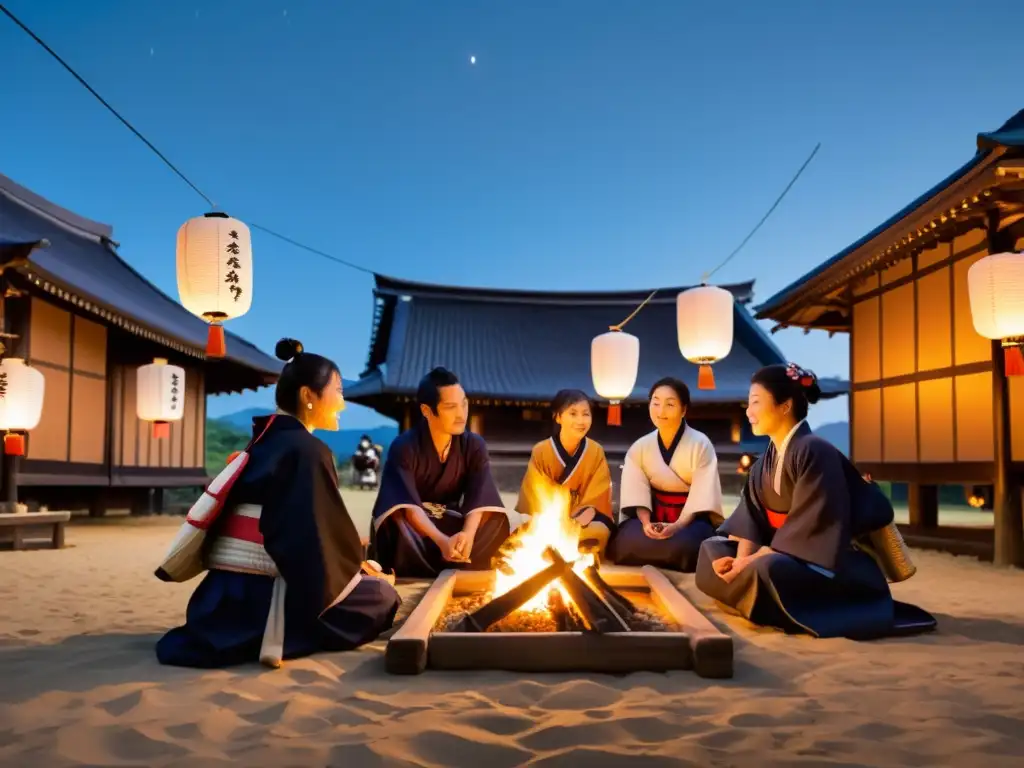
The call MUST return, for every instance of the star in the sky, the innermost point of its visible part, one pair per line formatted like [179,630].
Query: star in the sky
[472,60]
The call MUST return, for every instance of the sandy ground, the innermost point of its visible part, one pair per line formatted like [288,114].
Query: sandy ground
[79,685]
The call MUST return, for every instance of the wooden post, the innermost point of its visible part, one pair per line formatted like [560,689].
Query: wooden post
[1006,491]
[923,504]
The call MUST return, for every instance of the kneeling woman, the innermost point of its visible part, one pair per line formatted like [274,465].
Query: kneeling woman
[807,544]
[671,495]
[571,459]
[286,577]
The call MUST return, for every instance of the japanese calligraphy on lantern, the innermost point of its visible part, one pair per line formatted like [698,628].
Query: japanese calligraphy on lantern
[234,265]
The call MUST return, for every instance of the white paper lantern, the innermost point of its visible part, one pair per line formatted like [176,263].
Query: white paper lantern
[160,395]
[215,272]
[995,285]
[614,363]
[704,324]
[21,402]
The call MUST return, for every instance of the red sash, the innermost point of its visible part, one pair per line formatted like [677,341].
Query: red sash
[667,506]
[243,527]
[775,519]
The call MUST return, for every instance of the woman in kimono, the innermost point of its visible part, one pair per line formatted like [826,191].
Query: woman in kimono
[799,552]
[286,577]
[671,495]
[571,459]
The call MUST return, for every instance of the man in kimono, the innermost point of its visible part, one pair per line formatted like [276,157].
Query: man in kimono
[438,505]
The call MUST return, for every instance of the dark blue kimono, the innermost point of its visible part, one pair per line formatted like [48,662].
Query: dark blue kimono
[816,580]
[309,535]
[415,476]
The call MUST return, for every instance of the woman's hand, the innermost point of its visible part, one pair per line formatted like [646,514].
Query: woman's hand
[653,530]
[728,568]
[585,516]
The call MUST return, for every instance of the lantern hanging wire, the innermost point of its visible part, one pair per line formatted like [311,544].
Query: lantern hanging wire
[707,275]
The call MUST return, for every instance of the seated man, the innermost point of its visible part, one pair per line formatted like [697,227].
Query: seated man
[671,494]
[438,506]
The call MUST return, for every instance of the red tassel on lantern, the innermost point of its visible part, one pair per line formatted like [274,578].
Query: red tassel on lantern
[614,415]
[216,345]
[705,377]
[161,430]
[14,444]
[1013,360]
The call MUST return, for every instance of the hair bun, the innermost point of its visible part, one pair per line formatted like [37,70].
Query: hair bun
[288,349]
[807,380]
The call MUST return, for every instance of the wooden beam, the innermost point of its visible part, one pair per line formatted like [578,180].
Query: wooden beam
[1006,492]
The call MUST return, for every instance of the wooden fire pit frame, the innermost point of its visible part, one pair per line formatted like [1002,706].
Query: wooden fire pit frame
[700,646]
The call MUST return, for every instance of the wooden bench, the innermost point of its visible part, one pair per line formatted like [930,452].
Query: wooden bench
[24,526]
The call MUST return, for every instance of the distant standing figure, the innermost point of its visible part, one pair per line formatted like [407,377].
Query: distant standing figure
[284,552]
[799,554]
[438,506]
[671,495]
[571,459]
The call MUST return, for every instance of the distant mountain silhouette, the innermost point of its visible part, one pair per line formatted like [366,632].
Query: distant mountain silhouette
[342,443]
[837,433]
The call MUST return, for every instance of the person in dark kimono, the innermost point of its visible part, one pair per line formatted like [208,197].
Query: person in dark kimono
[801,551]
[438,506]
[286,577]
[670,498]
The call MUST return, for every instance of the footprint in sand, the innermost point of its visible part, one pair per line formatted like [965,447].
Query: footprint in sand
[499,723]
[579,695]
[593,758]
[456,751]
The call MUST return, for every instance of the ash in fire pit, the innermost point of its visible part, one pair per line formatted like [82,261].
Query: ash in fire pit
[646,618]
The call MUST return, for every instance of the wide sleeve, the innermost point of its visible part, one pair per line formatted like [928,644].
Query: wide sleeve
[705,493]
[817,527]
[307,530]
[748,521]
[597,490]
[397,483]
[636,488]
[535,482]
[481,492]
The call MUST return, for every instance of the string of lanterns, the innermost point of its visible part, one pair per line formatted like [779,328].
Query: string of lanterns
[704,330]
[995,285]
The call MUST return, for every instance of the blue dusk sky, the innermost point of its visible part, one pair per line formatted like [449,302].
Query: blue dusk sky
[593,145]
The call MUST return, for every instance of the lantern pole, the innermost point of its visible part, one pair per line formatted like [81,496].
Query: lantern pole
[14,340]
[1007,523]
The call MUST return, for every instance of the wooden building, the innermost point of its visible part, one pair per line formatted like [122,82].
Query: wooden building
[86,320]
[930,404]
[513,350]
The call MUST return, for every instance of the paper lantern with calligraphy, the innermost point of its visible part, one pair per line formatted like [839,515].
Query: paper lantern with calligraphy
[614,363]
[704,324]
[21,402]
[995,285]
[215,272]
[160,395]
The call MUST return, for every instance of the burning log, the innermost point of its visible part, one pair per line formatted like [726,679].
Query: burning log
[600,616]
[565,617]
[622,605]
[502,606]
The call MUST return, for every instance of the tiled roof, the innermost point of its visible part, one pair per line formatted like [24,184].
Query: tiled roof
[80,258]
[1010,135]
[525,346]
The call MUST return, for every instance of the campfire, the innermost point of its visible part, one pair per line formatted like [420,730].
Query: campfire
[550,605]
[543,570]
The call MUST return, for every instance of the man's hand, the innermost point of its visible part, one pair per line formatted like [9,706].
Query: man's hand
[460,546]
[585,516]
